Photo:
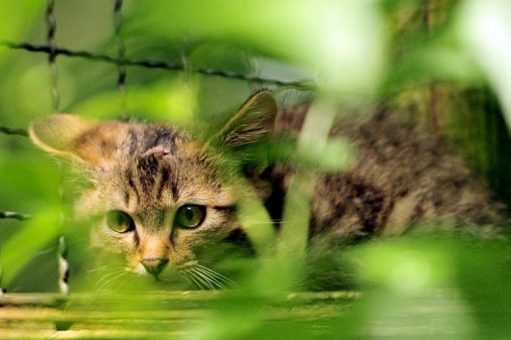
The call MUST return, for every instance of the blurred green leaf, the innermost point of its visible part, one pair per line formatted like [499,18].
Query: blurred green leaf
[16,20]
[407,265]
[485,29]
[343,40]
[337,155]
[171,102]
[257,224]
[19,250]
[28,181]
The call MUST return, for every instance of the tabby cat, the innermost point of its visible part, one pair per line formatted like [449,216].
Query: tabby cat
[165,194]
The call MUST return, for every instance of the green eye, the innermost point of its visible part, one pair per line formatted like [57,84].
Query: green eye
[119,221]
[190,216]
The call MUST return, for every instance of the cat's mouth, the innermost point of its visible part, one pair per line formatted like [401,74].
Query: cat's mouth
[195,274]
[153,267]
[205,278]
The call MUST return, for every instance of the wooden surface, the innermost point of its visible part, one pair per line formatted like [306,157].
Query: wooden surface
[142,315]
[181,314]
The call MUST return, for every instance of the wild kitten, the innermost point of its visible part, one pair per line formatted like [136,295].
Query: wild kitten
[164,195]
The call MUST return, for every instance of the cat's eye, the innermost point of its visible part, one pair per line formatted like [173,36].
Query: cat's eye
[190,216]
[119,221]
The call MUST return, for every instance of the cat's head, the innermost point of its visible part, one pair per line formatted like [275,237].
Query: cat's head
[162,194]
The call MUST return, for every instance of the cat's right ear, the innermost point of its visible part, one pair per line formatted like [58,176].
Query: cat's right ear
[252,123]
[57,134]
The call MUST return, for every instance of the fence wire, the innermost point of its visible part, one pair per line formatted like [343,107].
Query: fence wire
[51,27]
[14,215]
[122,63]
[156,64]
[121,53]
[13,131]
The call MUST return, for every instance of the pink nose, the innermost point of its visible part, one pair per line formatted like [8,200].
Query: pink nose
[154,265]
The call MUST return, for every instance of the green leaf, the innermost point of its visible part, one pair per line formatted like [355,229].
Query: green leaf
[343,40]
[19,250]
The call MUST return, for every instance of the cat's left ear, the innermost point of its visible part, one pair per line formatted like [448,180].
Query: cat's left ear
[57,133]
[253,122]
[84,142]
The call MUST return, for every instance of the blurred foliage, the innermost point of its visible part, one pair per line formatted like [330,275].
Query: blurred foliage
[441,63]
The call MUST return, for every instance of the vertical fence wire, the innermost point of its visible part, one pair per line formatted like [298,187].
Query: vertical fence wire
[121,53]
[51,26]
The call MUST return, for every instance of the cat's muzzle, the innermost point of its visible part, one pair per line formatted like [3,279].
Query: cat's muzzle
[154,266]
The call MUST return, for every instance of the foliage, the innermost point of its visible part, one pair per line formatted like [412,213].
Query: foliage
[359,53]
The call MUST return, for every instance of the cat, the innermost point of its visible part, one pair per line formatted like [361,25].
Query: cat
[164,194]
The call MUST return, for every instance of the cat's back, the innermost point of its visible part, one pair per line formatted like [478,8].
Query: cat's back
[401,178]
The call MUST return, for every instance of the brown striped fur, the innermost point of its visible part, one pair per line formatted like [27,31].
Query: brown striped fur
[402,178]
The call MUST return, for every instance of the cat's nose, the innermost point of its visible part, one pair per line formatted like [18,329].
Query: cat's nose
[154,265]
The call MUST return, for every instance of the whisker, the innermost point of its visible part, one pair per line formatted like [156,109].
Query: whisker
[217,274]
[210,278]
[270,222]
[185,276]
[206,284]
[206,279]
[198,283]
[126,280]
[106,283]
[105,268]
[98,269]
[107,279]
[191,279]
[220,280]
